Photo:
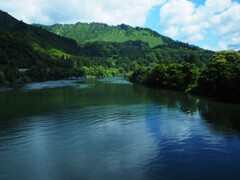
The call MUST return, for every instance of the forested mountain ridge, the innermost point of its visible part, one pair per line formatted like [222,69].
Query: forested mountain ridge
[98,32]
[161,47]
[23,46]
[48,56]
[37,36]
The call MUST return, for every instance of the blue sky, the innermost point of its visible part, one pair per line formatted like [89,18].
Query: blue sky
[211,24]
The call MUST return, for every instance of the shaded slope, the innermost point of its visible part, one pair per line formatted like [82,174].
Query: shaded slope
[38,37]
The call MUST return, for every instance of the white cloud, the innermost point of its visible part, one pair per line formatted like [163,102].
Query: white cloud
[184,20]
[235,40]
[215,6]
[195,37]
[210,48]
[222,45]
[172,31]
[180,19]
[174,13]
[183,17]
[192,33]
[228,21]
[113,12]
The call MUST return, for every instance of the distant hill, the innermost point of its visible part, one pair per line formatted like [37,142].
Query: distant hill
[89,35]
[95,32]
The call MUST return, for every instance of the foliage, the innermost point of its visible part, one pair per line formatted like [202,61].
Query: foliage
[220,78]
[2,77]
[176,76]
[103,40]
[97,32]
[104,51]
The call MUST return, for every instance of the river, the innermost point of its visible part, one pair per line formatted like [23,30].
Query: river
[112,129]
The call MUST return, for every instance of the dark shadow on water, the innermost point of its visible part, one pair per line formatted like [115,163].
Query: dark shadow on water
[221,116]
[197,155]
[186,133]
[21,103]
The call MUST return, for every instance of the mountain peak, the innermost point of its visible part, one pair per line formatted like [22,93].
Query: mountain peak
[94,32]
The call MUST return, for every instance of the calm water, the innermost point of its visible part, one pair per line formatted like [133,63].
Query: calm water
[109,128]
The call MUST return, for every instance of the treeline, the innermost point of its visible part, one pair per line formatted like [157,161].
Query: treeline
[17,52]
[29,53]
[219,77]
[139,50]
[98,59]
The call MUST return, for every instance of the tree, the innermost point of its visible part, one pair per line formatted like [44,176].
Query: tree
[2,77]
[221,77]
[139,76]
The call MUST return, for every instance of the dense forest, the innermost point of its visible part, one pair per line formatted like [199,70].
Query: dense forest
[31,53]
[219,77]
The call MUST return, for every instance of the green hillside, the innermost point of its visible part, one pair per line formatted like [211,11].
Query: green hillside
[37,37]
[23,46]
[120,41]
[84,33]
[101,50]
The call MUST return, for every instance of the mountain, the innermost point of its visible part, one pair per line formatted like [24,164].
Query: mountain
[38,37]
[84,49]
[90,35]
[23,46]
[94,32]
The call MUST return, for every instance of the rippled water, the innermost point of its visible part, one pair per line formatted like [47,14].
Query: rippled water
[109,128]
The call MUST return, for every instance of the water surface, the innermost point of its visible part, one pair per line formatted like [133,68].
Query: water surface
[110,128]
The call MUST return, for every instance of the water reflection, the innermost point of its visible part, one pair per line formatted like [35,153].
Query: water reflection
[114,129]
[180,125]
[222,116]
[17,104]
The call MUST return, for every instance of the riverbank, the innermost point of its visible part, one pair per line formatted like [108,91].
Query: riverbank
[219,78]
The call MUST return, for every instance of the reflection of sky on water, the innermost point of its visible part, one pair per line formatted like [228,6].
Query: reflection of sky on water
[109,141]
[5,89]
[186,142]
[167,123]
[176,125]
[112,130]
[54,84]
[77,84]
[114,80]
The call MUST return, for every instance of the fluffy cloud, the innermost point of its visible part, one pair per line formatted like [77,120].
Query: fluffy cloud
[180,19]
[222,45]
[113,12]
[234,42]
[184,20]
[228,21]
[26,10]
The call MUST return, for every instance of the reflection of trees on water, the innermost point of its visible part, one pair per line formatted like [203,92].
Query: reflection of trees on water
[16,105]
[19,104]
[220,116]
[173,100]
[223,117]
[181,144]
